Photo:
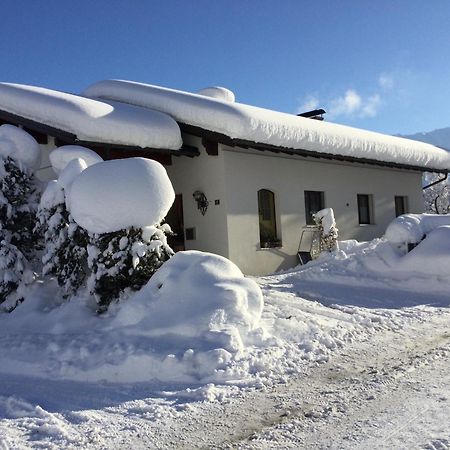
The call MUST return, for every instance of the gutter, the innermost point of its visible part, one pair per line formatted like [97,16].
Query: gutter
[436,182]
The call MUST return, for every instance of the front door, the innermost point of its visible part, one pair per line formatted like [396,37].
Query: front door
[175,219]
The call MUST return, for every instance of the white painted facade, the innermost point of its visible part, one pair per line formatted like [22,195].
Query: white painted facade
[234,177]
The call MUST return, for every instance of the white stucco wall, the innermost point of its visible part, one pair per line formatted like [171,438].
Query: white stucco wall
[45,171]
[288,178]
[231,228]
[204,173]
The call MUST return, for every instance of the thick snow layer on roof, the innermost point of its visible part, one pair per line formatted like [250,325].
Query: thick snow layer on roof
[62,156]
[20,146]
[91,120]
[122,193]
[259,125]
[218,92]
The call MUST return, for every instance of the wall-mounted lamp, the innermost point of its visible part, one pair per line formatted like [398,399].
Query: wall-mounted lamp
[202,201]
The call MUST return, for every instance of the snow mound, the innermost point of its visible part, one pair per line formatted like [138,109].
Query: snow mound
[20,146]
[114,195]
[197,319]
[249,123]
[411,228]
[61,156]
[431,256]
[70,172]
[200,299]
[219,93]
[91,120]
[52,195]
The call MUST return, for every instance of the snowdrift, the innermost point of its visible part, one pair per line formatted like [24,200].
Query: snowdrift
[412,228]
[193,321]
[196,297]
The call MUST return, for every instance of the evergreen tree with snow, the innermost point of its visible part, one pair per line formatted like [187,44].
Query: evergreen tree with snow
[19,193]
[65,243]
[65,248]
[125,260]
[121,204]
[18,205]
[14,274]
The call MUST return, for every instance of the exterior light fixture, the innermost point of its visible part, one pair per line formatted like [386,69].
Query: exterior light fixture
[202,201]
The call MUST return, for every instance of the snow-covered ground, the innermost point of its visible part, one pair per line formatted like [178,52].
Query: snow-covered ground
[352,350]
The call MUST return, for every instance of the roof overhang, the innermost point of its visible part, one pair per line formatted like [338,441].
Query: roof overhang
[69,138]
[232,142]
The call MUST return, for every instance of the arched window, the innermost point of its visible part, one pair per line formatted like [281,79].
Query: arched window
[267,220]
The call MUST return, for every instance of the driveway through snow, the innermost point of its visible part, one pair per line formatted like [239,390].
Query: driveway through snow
[385,387]
[391,391]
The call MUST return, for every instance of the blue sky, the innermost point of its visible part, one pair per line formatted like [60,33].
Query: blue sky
[382,65]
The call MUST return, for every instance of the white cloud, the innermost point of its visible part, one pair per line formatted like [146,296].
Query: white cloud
[352,104]
[311,102]
[370,108]
[346,105]
[386,81]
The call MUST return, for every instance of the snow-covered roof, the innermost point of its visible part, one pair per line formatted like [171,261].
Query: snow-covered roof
[91,120]
[257,125]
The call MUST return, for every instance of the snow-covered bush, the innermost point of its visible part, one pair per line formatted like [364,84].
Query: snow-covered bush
[14,273]
[125,259]
[19,193]
[65,243]
[327,230]
[121,205]
[18,204]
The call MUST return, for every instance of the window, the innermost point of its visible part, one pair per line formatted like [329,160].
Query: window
[314,201]
[401,205]
[365,209]
[267,219]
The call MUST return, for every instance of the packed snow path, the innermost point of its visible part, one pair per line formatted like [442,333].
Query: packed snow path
[361,361]
[387,391]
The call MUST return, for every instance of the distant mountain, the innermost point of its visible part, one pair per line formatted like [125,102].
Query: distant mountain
[440,138]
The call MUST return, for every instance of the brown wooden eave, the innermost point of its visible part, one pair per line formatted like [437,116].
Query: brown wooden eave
[231,142]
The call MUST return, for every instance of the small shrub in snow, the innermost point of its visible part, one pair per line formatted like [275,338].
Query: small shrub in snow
[125,259]
[327,230]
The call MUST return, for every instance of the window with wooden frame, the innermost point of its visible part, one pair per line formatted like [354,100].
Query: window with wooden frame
[365,209]
[401,205]
[268,236]
[314,202]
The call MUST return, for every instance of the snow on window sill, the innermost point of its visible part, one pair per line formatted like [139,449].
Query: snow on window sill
[270,245]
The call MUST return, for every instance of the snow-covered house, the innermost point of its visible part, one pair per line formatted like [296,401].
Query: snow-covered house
[247,179]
